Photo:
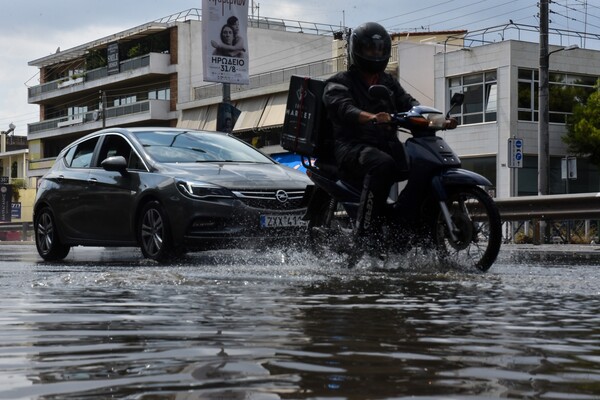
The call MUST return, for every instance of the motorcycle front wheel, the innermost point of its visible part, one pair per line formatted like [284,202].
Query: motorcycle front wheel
[478,233]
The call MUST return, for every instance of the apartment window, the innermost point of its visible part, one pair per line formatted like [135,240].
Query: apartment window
[76,111]
[14,170]
[121,101]
[160,94]
[565,91]
[481,97]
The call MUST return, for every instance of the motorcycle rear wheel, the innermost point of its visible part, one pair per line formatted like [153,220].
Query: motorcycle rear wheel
[479,229]
[330,233]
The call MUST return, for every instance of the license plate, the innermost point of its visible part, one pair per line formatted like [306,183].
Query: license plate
[281,220]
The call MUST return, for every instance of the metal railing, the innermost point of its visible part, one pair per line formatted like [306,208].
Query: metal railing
[568,218]
[317,69]
[280,24]
[550,207]
[90,116]
[91,75]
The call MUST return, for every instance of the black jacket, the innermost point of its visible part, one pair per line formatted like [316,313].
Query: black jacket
[347,94]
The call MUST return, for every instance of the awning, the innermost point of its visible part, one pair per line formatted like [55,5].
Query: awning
[210,123]
[274,111]
[262,112]
[251,113]
[199,118]
[193,118]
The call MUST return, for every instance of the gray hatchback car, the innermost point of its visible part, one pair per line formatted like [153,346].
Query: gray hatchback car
[166,190]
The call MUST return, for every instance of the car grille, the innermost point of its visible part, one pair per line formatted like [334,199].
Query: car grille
[268,199]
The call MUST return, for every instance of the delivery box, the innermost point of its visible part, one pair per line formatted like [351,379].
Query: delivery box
[306,130]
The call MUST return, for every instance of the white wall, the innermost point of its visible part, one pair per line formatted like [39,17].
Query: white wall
[268,49]
[506,58]
[416,70]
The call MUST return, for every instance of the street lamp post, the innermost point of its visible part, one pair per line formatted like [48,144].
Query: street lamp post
[4,135]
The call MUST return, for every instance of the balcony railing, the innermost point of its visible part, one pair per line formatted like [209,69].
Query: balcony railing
[90,116]
[91,75]
[316,69]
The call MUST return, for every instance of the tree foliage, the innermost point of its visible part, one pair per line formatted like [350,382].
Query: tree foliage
[583,137]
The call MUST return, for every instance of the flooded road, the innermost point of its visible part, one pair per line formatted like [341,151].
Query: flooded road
[284,325]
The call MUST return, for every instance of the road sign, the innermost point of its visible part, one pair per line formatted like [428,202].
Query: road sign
[515,153]
[568,168]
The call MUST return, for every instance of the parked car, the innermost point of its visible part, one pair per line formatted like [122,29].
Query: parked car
[166,190]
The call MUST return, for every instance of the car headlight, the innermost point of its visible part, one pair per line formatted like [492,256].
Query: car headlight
[201,190]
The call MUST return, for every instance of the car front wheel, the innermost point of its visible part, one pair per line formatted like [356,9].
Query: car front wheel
[47,241]
[153,232]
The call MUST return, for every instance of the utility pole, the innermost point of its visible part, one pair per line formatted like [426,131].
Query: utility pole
[544,108]
[543,112]
[103,107]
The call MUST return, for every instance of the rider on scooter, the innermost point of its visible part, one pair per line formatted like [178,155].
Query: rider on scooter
[364,151]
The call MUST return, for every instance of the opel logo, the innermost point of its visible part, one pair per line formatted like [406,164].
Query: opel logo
[282,196]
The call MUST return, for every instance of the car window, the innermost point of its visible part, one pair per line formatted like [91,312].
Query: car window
[193,146]
[82,156]
[116,145]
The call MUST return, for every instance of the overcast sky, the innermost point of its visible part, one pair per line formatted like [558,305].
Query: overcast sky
[32,29]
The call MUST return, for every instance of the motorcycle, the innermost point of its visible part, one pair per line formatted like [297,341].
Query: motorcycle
[442,206]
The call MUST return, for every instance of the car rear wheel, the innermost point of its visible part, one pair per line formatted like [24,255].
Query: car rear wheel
[47,241]
[153,232]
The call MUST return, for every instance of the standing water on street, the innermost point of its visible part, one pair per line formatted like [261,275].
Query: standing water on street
[106,323]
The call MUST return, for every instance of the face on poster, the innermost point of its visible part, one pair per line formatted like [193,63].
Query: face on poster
[224,41]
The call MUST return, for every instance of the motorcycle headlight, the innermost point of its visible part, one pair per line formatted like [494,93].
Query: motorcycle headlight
[201,190]
[436,121]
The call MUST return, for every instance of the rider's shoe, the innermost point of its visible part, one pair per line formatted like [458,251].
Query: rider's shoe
[371,245]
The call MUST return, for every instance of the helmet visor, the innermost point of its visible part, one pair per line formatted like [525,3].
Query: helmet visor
[375,48]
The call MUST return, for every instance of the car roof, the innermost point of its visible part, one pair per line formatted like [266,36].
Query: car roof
[132,130]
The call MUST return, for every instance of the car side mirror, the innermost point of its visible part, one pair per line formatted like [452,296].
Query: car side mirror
[115,163]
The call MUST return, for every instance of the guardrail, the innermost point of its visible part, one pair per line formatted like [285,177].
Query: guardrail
[560,207]
[550,207]
[17,231]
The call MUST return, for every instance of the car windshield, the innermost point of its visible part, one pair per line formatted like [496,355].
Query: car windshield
[193,146]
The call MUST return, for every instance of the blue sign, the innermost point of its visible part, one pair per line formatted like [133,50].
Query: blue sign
[515,153]
[16,210]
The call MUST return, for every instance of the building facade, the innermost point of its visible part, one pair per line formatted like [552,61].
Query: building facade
[152,75]
[500,83]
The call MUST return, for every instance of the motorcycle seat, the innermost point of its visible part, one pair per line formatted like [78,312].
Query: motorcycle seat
[329,168]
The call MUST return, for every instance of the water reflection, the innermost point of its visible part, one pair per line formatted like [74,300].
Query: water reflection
[214,327]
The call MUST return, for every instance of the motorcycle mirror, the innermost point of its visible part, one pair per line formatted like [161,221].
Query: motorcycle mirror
[380,92]
[457,100]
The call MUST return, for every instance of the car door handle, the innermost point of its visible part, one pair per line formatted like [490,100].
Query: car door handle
[93,181]
[60,178]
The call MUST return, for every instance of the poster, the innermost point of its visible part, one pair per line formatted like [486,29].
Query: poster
[227,116]
[5,202]
[224,41]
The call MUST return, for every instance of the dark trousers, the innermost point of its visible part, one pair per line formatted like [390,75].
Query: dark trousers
[381,170]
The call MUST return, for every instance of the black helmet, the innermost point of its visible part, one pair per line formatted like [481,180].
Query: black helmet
[370,47]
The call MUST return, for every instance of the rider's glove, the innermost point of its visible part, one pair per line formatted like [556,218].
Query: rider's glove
[451,123]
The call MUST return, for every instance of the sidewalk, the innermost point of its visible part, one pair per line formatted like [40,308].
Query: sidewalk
[570,253]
